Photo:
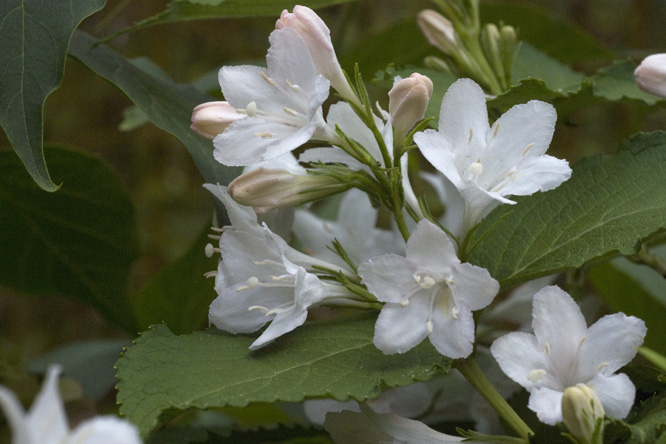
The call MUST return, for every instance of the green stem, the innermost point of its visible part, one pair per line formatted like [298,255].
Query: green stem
[472,372]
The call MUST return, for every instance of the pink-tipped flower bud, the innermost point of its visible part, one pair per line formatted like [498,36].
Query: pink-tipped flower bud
[408,100]
[212,118]
[651,75]
[316,35]
[438,30]
[266,189]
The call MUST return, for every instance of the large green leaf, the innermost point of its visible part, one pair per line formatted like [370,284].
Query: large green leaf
[183,10]
[609,205]
[335,359]
[34,36]
[166,103]
[79,242]
[179,295]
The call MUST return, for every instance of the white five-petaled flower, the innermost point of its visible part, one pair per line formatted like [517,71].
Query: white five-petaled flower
[282,103]
[260,279]
[563,353]
[428,293]
[485,163]
[46,422]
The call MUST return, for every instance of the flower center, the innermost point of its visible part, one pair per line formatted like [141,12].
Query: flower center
[439,294]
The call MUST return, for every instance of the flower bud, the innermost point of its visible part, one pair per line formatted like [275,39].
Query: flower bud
[212,118]
[267,189]
[651,75]
[438,30]
[408,100]
[582,414]
[316,35]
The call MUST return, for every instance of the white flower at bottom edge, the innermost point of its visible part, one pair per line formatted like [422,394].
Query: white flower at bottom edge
[367,426]
[563,352]
[428,293]
[46,422]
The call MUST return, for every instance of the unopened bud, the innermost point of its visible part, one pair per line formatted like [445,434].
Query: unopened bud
[582,414]
[651,75]
[438,30]
[316,35]
[267,189]
[212,118]
[408,100]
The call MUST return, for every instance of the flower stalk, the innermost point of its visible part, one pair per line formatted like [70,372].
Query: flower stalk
[471,370]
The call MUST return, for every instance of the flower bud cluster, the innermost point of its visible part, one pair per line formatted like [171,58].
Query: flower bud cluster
[486,55]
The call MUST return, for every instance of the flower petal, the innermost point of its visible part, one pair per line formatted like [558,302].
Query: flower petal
[430,248]
[399,329]
[559,327]
[262,139]
[541,173]
[104,430]
[46,419]
[610,343]
[518,354]
[389,277]
[439,151]
[474,285]
[530,124]
[616,393]
[463,118]
[547,404]
[453,337]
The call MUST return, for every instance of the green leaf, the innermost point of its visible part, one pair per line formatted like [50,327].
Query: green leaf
[79,242]
[166,103]
[616,82]
[334,359]
[183,10]
[647,425]
[34,35]
[622,293]
[532,63]
[179,295]
[609,205]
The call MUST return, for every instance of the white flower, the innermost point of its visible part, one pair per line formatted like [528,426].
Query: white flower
[563,352]
[355,230]
[367,426]
[485,163]
[651,74]
[261,279]
[46,422]
[316,35]
[428,293]
[282,103]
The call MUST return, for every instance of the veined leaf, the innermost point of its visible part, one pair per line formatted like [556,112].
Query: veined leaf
[166,103]
[609,205]
[334,359]
[34,36]
[79,242]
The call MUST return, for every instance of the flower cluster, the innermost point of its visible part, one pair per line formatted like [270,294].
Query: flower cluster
[412,267]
